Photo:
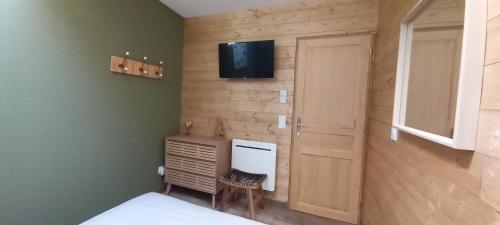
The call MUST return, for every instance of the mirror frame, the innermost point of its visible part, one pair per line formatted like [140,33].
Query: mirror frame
[470,78]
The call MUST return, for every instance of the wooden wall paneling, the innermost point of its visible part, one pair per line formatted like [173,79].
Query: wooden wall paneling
[275,10]
[491,92]
[287,17]
[488,138]
[436,194]
[490,187]
[365,22]
[384,73]
[493,9]
[250,108]
[414,181]
[493,41]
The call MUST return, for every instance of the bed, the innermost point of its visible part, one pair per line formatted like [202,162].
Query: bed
[160,209]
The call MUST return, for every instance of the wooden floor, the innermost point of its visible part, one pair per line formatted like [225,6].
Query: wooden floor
[274,213]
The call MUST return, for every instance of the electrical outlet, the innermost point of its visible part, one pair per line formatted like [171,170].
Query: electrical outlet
[161,170]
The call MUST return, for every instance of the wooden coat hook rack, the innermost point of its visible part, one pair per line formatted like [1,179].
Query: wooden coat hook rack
[126,66]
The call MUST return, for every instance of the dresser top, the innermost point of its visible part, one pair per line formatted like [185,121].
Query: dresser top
[197,139]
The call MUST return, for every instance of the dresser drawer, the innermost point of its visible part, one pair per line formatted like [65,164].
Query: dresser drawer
[189,180]
[191,165]
[202,152]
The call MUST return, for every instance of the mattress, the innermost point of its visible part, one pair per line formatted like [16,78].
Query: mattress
[160,209]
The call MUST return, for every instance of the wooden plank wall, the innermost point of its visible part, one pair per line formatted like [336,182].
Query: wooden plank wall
[249,109]
[416,182]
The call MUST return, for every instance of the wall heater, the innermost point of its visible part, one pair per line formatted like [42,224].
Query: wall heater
[256,157]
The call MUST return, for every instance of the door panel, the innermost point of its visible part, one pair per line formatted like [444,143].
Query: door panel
[313,169]
[340,89]
[330,108]
[334,142]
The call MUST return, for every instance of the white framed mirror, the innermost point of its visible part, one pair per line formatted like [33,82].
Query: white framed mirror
[440,71]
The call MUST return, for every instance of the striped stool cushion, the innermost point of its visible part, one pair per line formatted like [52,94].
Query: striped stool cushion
[242,179]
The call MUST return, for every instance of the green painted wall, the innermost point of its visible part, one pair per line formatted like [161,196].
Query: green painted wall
[75,139]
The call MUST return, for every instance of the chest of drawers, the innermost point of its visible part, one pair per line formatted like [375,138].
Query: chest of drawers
[196,163]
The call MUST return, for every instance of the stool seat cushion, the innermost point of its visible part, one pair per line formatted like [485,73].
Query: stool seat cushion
[243,179]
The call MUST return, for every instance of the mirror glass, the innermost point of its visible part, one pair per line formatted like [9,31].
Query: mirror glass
[434,67]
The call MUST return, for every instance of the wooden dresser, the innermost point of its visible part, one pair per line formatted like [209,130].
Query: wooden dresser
[196,163]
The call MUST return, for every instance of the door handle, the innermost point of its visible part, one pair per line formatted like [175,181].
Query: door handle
[299,126]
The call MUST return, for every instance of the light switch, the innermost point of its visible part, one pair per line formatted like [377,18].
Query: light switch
[283,99]
[283,96]
[282,122]
[394,134]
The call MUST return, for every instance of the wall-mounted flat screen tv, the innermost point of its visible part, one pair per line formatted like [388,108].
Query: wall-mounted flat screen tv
[246,59]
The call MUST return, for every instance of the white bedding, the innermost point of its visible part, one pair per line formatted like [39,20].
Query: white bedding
[159,209]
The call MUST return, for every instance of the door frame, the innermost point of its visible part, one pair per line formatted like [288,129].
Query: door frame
[372,36]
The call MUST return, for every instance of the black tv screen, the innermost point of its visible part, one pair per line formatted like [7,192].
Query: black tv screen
[246,59]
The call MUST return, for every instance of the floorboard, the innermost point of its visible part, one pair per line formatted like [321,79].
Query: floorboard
[274,213]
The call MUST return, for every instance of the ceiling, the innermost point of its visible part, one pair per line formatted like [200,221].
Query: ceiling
[192,8]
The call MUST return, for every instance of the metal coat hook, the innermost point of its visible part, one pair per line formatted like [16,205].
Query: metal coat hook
[142,70]
[122,65]
[159,72]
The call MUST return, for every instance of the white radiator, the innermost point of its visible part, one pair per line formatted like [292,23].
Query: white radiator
[256,157]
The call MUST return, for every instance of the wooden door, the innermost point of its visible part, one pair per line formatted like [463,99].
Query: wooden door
[329,122]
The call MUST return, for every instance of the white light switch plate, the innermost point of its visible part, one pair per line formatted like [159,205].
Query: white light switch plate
[394,134]
[282,122]
[283,99]
[283,96]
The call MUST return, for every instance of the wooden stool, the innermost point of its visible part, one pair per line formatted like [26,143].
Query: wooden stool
[236,181]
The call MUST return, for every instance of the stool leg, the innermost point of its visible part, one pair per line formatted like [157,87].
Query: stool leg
[251,206]
[261,198]
[236,192]
[225,195]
